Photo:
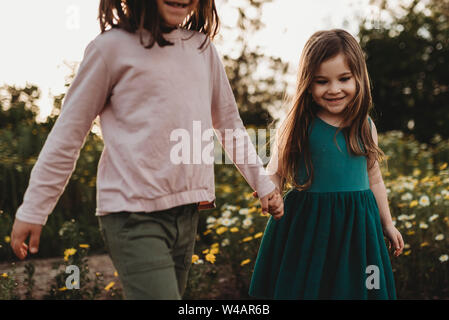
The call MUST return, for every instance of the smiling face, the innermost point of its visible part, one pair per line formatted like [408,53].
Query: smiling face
[333,87]
[173,12]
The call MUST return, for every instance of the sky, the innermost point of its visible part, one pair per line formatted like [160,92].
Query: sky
[38,37]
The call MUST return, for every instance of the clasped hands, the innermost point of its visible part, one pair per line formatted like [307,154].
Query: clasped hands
[272,203]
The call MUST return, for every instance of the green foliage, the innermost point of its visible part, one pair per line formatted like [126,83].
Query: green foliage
[75,255]
[8,285]
[21,140]
[407,58]
[29,281]
[258,81]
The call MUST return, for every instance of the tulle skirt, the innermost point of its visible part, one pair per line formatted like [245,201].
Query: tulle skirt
[328,245]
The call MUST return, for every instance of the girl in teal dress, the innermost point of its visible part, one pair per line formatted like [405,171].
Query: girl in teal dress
[330,242]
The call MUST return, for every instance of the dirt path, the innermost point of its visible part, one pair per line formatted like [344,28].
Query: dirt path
[44,275]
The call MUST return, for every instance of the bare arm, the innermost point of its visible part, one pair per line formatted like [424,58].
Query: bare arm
[377,186]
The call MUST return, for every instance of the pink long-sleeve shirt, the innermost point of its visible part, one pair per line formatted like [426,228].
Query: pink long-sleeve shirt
[142,97]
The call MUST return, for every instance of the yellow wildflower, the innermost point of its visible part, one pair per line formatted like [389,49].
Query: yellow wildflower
[7,239]
[406,253]
[205,251]
[109,286]
[86,246]
[443,166]
[226,189]
[424,244]
[247,239]
[411,232]
[221,230]
[214,250]
[68,253]
[425,179]
[234,229]
[4,275]
[246,261]
[195,258]
[215,245]
[414,203]
[62,289]
[115,274]
[258,235]
[253,209]
[210,257]
[207,232]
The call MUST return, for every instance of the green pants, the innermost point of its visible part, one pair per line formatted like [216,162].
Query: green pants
[152,251]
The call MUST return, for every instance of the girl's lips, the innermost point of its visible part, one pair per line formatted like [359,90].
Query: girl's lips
[176,8]
[175,4]
[334,99]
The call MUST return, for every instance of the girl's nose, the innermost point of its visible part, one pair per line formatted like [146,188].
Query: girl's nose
[334,88]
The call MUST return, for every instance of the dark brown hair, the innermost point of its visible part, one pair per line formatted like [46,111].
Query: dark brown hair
[293,133]
[136,15]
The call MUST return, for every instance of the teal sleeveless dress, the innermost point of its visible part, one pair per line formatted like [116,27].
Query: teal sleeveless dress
[329,244]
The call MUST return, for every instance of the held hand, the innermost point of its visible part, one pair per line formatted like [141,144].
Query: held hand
[20,232]
[395,239]
[272,203]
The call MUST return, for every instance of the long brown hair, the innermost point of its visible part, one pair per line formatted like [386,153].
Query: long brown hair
[293,133]
[136,15]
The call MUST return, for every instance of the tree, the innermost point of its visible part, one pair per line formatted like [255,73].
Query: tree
[407,58]
[257,80]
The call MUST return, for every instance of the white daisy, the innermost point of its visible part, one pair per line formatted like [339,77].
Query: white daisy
[211,220]
[409,185]
[424,201]
[225,242]
[247,222]
[408,225]
[402,217]
[226,222]
[433,217]
[226,214]
[244,211]
[444,258]
[439,237]
[423,225]
[406,196]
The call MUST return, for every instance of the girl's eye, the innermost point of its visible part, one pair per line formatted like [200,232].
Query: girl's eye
[345,79]
[321,81]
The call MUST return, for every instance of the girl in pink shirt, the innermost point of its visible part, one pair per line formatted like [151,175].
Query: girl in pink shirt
[152,75]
